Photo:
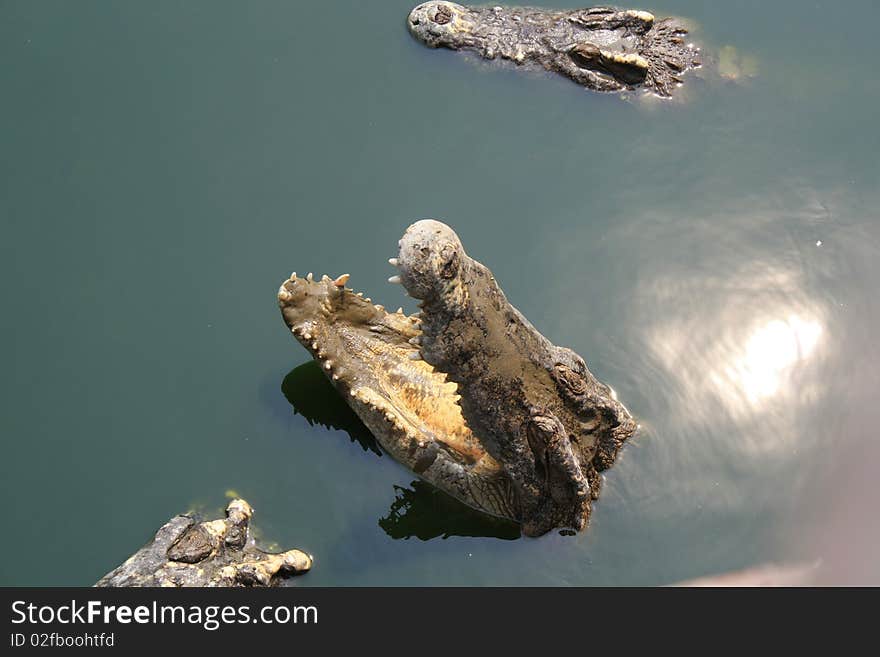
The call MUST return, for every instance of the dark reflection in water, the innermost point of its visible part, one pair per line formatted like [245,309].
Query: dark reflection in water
[420,511]
[425,513]
[315,398]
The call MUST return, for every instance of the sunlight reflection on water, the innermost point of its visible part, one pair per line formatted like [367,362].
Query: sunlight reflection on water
[722,351]
[743,351]
[767,357]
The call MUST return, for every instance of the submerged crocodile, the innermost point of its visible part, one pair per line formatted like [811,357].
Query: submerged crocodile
[467,393]
[600,48]
[186,552]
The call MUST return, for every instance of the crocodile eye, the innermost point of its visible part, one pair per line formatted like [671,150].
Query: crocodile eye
[585,55]
[570,380]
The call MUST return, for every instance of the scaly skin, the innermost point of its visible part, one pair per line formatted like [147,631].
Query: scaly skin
[532,426]
[186,552]
[535,406]
[600,48]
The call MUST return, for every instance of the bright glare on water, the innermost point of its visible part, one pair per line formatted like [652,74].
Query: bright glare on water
[715,259]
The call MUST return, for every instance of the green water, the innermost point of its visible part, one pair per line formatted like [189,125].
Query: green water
[164,165]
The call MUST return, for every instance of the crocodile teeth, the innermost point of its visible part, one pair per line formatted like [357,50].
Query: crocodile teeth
[342,280]
[328,365]
[293,276]
[360,294]
[307,336]
[310,278]
[415,341]
[380,307]
[314,344]
[336,377]
[414,355]
[394,279]
[393,262]
[400,310]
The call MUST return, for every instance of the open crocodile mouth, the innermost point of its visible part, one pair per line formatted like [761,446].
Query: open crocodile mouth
[371,357]
[534,427]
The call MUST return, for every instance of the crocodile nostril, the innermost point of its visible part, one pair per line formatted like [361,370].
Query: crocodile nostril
[414,21]
[443,16]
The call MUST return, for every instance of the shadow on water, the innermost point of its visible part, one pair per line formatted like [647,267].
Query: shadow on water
[315,398]
[420,511]
[424,512]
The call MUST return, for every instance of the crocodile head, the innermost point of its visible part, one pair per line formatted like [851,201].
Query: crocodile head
[468,394]
[600,48]
[439,24]
[369,355]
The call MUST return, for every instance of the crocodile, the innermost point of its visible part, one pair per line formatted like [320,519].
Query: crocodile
[600,48]
[467,394]
[187,552]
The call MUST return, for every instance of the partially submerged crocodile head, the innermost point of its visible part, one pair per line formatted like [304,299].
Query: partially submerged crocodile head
[188,552]
[600,48]
[468,395]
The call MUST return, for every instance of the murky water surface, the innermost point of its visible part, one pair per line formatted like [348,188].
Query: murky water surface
[165,165]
